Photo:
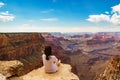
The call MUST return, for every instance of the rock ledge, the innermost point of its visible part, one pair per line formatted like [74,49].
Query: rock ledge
[64,73]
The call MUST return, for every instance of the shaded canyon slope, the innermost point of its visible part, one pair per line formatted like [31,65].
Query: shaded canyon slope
[25,47]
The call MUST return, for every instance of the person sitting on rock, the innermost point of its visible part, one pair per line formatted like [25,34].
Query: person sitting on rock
[50,62]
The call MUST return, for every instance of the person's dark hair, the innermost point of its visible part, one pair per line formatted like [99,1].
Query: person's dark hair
[48,52]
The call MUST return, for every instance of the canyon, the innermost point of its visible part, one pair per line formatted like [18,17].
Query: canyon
[20,53]
[87,53]
[25,47]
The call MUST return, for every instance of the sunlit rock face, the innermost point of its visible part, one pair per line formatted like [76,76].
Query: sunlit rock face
[11,68]
[112,71]
[2,77]
[64,73]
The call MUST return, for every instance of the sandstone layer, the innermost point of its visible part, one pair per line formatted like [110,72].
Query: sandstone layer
[64,73]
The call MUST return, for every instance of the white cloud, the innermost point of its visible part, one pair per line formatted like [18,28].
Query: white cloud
[113,18]
[5,16]
[1,4]
[4,13]
[106,12]
[116,9]
[98,18]
[47,11]
[49,19]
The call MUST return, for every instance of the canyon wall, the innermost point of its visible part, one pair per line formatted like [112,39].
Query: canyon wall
[112,71]
[25,47]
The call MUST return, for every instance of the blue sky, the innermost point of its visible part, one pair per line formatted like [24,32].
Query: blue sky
[59,15]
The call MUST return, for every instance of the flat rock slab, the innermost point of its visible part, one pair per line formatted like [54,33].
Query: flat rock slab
[64,73]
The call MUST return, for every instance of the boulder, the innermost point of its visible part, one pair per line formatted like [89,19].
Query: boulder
[11,68]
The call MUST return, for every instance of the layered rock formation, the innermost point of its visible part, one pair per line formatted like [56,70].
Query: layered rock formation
[13,46]
[112,71]
[57,50]
[26,47]
[101,39]
[10,68]
[64,73]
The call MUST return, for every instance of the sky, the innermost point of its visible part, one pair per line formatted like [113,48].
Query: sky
[59,15]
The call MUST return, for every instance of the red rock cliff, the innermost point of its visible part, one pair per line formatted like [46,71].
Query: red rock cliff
[26,47]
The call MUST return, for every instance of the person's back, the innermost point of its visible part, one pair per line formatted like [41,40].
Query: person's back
[50,62]
[50,65]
